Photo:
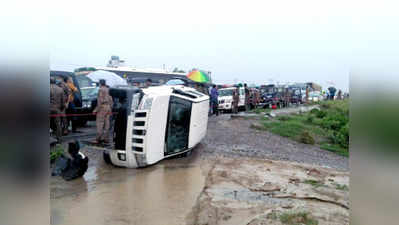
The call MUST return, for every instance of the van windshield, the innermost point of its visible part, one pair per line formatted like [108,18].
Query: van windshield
[226,92]
[89,92]
[84,81]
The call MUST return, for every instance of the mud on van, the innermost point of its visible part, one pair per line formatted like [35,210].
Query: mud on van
[155,123]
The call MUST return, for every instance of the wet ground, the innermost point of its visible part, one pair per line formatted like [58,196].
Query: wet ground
[172,191]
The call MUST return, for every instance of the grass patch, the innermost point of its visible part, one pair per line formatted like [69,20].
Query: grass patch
[291,128]
[273,215]
[314,183]
[342,187]
[327,127]
[297,218]
[260,110]
[335,148]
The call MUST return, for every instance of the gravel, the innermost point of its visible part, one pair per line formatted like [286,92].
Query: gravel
[235,138]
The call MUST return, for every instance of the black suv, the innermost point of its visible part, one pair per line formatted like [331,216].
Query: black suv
[60,75]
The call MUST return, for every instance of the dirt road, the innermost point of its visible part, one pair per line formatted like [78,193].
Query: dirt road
[229,179]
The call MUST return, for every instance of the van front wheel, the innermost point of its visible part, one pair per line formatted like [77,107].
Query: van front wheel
[107,158]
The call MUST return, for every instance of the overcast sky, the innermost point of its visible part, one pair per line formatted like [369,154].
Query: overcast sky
[250,41]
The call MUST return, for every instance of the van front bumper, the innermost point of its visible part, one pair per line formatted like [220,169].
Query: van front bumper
[224,106]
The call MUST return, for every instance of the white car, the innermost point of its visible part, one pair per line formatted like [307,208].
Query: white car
[156,123]
[226,98]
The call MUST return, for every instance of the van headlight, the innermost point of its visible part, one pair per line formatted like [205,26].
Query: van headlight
[146,105]
[86,104]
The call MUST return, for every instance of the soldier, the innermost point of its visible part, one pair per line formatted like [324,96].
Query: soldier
[57,105]
[104,110]
[67,93]
[236,99]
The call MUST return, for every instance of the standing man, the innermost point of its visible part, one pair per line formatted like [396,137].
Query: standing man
[247,97]
[214,100]
[339,95]
[67,93]
[57,105]
[104,110]
[236,99]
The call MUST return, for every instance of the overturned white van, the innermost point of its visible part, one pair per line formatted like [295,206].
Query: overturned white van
[155,123]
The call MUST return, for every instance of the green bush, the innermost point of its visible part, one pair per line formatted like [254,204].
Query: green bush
[296,218]
[314,111]
[343,136]
[321,114]
[306,138]
[335,121]
[310,118]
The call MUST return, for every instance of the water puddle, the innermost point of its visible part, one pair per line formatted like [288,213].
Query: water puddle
[160,194]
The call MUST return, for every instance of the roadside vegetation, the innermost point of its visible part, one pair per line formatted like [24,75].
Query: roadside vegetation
[56,152]
[260,110]
[314,183]
[293,218]
[327,127]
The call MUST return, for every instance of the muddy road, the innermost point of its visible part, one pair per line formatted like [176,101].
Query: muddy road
[195,190]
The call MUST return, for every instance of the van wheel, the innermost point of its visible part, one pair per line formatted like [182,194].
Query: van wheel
[107,158]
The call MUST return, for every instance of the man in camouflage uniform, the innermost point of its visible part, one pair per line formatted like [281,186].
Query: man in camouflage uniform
[104,110]
[57,104]
[67,93]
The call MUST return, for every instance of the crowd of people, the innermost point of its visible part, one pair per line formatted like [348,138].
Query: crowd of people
[62,102]
[62,109]
[250,98]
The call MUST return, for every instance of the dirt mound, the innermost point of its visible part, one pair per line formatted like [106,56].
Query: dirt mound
[250,191]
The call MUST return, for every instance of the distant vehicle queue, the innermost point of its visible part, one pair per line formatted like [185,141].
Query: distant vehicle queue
[223,98]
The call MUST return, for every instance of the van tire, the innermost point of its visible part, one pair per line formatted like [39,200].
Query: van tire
[107,158]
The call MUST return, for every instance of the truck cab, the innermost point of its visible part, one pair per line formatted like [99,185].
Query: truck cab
[155,123]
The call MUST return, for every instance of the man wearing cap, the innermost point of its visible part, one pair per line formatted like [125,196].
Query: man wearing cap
[104,110]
